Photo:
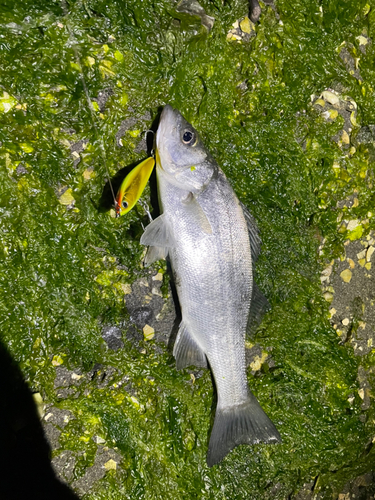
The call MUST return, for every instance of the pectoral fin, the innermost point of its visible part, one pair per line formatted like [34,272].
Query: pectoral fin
[186,350]
[157,233]
[196,213]
[153,254]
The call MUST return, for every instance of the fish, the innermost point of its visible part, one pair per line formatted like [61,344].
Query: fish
[133,186]
[212,243]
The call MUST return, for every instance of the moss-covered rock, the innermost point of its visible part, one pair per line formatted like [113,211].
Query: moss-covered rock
[287,108]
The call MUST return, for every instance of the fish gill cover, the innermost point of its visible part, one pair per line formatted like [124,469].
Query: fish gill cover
[287,108]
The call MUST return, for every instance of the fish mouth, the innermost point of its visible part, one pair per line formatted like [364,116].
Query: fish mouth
[164,135]
[167,123]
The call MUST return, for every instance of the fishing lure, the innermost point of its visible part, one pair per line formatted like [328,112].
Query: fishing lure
[133,186]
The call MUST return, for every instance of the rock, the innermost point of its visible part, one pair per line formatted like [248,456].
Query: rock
[112,336]
[142,316]
[98,470]
[63,465]
[351,293]
[346,275]
[193,8]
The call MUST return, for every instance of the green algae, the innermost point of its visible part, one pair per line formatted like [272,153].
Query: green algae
[63,265]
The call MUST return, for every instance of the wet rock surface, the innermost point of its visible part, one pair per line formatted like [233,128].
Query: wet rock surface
[112,336]
[349,284]
[133,126]
[151,315]
[92,331]
[105,460]
[361,488]
[147,308]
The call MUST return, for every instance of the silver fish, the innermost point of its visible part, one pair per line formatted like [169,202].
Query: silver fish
[211,241]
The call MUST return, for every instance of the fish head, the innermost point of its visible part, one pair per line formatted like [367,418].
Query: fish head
[180,153]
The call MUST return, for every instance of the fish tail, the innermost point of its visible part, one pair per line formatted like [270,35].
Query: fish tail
[246,423]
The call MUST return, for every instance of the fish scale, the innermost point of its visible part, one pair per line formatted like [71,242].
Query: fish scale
[204,231]
[216,304]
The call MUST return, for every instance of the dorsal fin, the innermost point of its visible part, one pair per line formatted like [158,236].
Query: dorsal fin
[259,304]
[255,241]
[258,307]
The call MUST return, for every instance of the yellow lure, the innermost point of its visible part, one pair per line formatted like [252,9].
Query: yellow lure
[132,186]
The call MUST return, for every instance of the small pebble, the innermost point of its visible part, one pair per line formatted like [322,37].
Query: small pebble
[126,288]
[88,174]
[362,40]
[328,296]
[157,277]
[246,25]
[345,138]
[330,97]
[110,465]
[369,253]
[67,198]
[327,271]
[148,332]
[351,263]
[352,224]
[346,275]
[361,255]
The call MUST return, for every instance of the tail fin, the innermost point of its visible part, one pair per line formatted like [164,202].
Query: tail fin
[242,424]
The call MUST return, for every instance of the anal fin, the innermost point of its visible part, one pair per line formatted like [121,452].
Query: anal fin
[186,350]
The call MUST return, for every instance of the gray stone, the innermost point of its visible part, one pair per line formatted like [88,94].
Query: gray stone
[98,470]
[52,434]
[64,464]
[57,417]
[112,335]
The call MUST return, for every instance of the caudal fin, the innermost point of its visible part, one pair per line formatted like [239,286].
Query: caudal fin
[242,424]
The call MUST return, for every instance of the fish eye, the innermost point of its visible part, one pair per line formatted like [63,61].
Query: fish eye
[188,138]
[125,204]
